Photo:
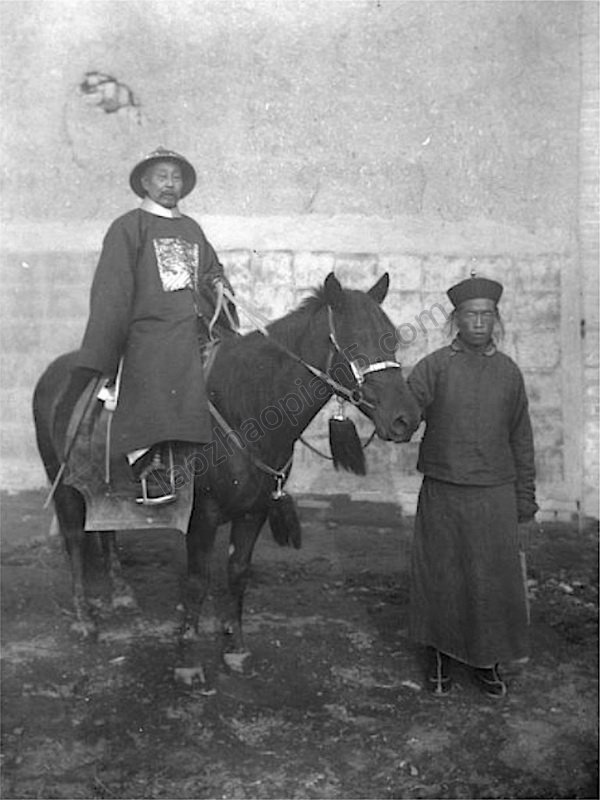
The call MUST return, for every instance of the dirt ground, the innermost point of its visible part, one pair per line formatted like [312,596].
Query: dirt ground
[332,706]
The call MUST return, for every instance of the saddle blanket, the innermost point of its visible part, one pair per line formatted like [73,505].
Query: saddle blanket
[107,483]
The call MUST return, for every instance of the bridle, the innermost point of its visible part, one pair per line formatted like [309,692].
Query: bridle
[359,372]
[355,395]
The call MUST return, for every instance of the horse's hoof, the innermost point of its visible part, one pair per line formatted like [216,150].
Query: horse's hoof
[193,677]
[124,601]
[236,661]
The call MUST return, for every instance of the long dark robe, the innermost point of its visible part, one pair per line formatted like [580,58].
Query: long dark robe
[467,589]
[142,311]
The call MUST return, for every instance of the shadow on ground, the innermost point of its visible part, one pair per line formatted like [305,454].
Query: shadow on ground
[333,705]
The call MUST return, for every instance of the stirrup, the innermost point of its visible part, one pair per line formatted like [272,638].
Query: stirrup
[156,467]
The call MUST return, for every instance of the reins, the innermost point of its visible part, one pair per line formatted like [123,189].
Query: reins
[279,474]
[353,396]
[261,324]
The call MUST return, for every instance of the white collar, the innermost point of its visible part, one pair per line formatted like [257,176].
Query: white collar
[160,211]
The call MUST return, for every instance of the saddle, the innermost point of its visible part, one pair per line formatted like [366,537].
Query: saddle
[106,481]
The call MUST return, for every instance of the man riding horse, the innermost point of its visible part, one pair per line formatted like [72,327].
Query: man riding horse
[152,301]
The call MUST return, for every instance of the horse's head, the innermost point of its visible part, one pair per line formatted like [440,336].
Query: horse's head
[365,343]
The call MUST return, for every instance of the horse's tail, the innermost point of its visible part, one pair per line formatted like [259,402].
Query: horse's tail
[45,398]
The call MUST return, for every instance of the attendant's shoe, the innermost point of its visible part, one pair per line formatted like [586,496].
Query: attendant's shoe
[490,682]
[439,681]
[156,484]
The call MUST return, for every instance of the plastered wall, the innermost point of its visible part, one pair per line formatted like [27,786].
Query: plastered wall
[425,138]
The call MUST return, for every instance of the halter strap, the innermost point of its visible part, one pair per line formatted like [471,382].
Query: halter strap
[278,474]
[358,371]
[350,395]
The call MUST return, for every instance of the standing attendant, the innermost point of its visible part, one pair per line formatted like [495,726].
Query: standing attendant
[152,298]
[477,499]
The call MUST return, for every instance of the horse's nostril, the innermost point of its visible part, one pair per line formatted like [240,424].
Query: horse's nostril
[401,430]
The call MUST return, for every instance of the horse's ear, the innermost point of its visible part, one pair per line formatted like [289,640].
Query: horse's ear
[380,290]
[333,290]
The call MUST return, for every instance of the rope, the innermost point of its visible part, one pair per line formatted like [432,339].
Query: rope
[278,474]
[348,394]
[316,450]
[258,319]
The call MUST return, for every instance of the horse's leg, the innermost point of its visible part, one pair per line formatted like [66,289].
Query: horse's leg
[70,512]
[200,540]
[244,533]
[121,594]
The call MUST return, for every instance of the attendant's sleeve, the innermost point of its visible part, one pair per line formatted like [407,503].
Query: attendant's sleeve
[421,382]
[521,443]
[110,301]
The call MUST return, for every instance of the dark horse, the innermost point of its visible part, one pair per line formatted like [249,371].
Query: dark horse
[266,388]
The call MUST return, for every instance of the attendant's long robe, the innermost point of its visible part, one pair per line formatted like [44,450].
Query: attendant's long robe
[467,590]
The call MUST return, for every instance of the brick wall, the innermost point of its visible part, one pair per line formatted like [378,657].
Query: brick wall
[425,137]
[45,307]
[589,235]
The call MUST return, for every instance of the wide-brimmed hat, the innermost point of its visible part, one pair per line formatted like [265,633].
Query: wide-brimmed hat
[188,173]
[474,288]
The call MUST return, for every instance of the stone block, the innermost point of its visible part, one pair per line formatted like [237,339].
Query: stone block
[590,350]
[272,269]
[547,426]
[535,310]
[402,308]
[411,353]
[238,269]
[544,390]
[433,314]
[405,458]
[549,466]
[538,350]
[507,344]
[311,269]
[379,456]
[439,272]
[274,301]
[357,270]
[434,339]
[319,426]
[498,268]
[405,271]
[542,272]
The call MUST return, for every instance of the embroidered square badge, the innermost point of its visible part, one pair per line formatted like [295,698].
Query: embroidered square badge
[177,262]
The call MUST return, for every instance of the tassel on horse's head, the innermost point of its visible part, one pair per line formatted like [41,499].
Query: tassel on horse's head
[346,448]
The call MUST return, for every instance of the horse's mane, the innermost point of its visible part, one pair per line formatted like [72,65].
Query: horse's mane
[299,317]
[249,366]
